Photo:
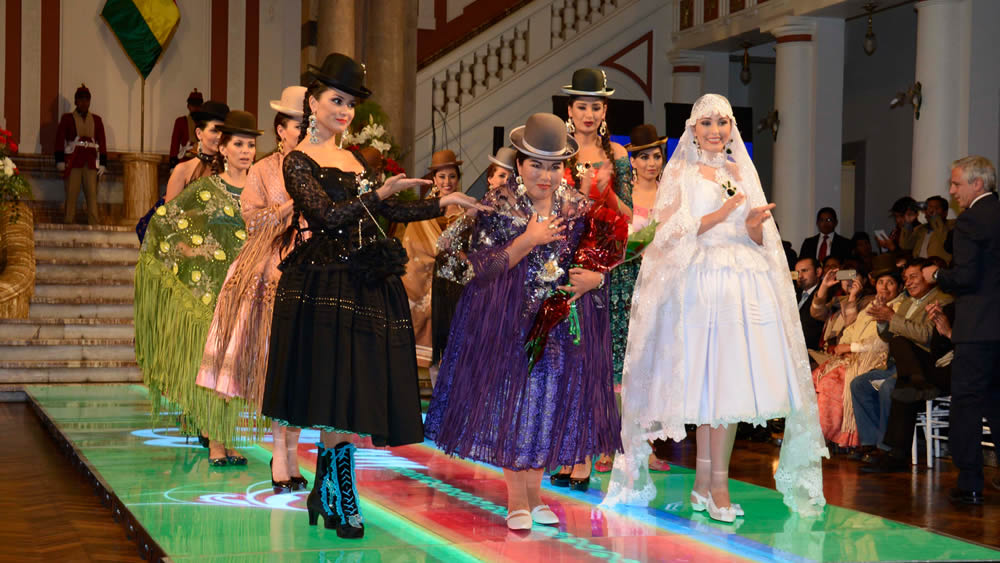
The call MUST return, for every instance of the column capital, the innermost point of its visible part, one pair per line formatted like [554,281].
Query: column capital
[789,29]
[686,61]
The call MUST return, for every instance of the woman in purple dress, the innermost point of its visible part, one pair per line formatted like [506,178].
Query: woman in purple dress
[487,404]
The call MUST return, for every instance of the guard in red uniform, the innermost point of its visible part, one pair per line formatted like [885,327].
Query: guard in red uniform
[183,143]
[81,153]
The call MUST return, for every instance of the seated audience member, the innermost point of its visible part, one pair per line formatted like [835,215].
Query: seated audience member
[809,273]
[921,375]
[827,242]
[831,263]
[928,239]
[898,212]
[863,251]
[872,400]
[858,351]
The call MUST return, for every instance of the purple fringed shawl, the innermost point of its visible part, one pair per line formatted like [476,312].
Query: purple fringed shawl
[486,405]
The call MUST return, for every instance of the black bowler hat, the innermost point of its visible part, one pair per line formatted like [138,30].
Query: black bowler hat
[343,73]
[240,123]
[643,137]
[211,111]
[589,82]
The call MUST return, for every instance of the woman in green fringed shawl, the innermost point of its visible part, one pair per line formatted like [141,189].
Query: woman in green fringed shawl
[190,244]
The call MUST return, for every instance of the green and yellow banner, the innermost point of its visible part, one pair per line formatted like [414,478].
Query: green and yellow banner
[143,27]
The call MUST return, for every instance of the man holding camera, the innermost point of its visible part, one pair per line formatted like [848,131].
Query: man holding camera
[928,239]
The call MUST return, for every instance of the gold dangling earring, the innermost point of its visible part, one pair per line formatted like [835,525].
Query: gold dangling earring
[603,130]
[570,128]
[281,147]
[225,165]
[521,189]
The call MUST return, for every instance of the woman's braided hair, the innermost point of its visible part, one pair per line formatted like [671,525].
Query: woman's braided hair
[314,90]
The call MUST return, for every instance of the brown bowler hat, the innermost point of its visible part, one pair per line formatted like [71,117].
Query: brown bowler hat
[240,123]
[444,159]
[643,137]
[883,264]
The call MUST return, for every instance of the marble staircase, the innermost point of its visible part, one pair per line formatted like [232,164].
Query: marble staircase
[80,327]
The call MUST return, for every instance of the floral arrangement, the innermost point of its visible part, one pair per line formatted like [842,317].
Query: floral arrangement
[12,184]
[369,130]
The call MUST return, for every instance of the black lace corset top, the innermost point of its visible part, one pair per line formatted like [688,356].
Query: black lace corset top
[340,207]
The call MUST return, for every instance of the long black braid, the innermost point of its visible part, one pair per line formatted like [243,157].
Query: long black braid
[605,145]
[314,90]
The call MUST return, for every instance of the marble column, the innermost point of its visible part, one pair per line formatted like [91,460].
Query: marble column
[940,135]
[686,77]
[794,159]
[390,53]
[335,28]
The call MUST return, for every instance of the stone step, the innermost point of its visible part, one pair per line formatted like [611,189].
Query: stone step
[86,300]
[110,350]
[80,291]
[69,372]
[86,255]
[67,328]
[98,239]
[101,228]
[68,273]
[79,310]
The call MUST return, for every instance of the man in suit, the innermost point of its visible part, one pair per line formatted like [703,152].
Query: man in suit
[827,242]
[928,239]
[974,278]
[809,273]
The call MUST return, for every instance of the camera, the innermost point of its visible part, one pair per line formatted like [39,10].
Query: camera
[846,275]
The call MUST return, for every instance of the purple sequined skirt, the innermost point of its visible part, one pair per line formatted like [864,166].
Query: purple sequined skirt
[487,407]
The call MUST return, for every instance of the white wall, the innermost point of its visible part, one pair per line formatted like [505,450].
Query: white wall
[869,83]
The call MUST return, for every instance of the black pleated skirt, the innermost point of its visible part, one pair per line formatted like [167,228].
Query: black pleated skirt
[342,354]
[444,297]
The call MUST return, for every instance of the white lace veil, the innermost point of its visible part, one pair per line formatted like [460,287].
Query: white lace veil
[660,287]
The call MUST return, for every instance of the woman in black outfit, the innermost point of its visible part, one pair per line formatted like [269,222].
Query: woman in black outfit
[341,351]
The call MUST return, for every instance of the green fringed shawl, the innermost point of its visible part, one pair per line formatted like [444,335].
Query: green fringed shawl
[189,246]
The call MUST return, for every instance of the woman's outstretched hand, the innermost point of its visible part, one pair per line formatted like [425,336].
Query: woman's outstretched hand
[398,183]
[463,201]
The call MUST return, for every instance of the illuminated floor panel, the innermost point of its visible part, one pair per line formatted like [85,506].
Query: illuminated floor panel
[420,505]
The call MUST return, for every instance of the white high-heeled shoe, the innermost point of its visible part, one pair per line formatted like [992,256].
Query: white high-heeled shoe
[519,520]
[542,514]
[726,514]
[700,503]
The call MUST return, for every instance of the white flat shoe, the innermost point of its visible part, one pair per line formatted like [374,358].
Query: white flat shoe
[519,520]
[700,503]
[542,514]
[726,514]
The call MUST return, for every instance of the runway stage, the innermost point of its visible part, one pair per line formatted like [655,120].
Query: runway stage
[420,505]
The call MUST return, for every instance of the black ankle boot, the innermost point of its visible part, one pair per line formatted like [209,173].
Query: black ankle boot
[322,500]
[351,522]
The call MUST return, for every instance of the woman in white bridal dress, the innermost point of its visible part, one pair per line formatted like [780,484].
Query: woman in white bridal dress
[715,337]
